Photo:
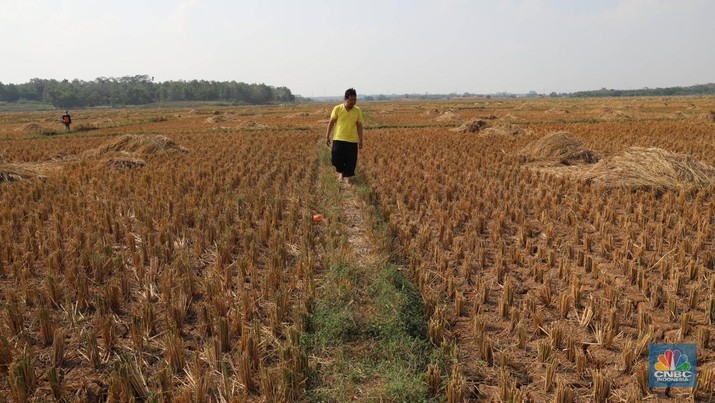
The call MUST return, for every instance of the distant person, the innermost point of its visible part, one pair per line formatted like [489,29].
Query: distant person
[66,120]
[346,119]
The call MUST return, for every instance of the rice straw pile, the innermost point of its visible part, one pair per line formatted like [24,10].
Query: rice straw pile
[560,147]
[10,172]
[35,128]
[471,126]
[142,145]
[651,168]
[447,117]
[215,119]
[615,115]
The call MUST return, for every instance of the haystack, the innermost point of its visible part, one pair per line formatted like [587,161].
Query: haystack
[651,168]
[35,128]
[562,147]
[215,119]
[17,172]
[615,115]
[142,145]
[447,117]
[471,126]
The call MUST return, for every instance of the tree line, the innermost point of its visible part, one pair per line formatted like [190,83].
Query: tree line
[139,90]
[699,89]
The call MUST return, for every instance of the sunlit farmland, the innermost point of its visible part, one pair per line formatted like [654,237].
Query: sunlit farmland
[172,253]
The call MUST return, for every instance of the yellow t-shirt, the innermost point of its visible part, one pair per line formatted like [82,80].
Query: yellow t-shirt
[345,128]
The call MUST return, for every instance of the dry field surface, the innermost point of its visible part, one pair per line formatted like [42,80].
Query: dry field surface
[171,254]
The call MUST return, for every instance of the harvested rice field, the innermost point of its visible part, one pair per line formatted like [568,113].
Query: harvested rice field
[184,254]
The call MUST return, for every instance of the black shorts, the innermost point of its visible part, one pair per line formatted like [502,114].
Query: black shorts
[344,157]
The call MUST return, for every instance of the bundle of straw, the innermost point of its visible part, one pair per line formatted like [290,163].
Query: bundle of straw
[651,168]
[141,145]
[559,146]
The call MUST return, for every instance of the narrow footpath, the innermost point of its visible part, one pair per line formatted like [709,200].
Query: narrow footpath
[367,338]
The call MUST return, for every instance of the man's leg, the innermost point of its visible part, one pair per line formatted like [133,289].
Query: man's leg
[338,158]
[351,154]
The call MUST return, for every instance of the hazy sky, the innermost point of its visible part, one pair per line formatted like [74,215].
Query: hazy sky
[321,47]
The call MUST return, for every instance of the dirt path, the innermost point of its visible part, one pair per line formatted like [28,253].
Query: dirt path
[341,377]
[362,248]
[368,337]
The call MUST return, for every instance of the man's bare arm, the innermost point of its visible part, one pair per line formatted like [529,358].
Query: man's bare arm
[330,129]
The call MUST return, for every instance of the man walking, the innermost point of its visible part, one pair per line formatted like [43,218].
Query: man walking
[346,119]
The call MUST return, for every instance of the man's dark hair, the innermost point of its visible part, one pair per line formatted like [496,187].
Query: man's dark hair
[350,92]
